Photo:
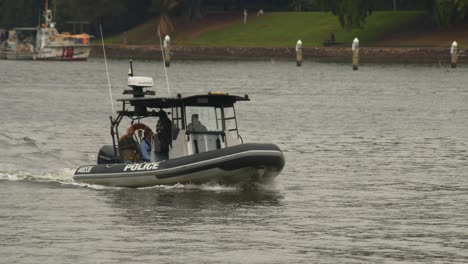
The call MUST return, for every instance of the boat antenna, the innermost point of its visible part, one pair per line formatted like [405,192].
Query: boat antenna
[164,60]
[55,10]
[107,69]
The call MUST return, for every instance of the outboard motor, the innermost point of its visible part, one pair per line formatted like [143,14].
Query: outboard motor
[106,155]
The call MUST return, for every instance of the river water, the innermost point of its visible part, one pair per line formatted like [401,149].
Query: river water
[376,167]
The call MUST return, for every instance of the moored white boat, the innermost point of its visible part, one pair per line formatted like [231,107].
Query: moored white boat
[43,43]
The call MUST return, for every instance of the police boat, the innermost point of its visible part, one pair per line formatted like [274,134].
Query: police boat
[196,140]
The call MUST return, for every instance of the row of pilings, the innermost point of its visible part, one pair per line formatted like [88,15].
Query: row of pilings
[438,55]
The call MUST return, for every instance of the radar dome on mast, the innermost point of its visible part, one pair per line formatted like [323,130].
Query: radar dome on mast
[137,83]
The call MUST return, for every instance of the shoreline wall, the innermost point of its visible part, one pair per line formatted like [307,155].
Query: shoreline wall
[331,54]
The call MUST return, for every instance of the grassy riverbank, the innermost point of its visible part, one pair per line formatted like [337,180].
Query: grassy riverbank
[401,29]
[284,29]
[387,37]
[276,29]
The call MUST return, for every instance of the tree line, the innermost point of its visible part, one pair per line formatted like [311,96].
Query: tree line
[120,15]
[353,13]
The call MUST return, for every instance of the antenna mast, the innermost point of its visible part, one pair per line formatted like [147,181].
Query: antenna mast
[164,61]
[107,69]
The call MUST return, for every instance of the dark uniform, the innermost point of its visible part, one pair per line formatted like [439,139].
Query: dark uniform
[129,149]
[164,129]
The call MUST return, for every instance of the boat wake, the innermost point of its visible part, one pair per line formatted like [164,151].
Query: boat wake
[7,142]
[217,187]
[65,177]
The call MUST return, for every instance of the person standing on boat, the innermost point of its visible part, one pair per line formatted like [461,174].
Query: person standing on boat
[128,148]
[44,35]
[145,145]
[164,129]
[196,125]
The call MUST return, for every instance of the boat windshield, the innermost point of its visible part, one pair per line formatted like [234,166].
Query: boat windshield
[204,119]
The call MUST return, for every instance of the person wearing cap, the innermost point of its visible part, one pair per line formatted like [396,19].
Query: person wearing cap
[196,125]
[128,148]
[145,145]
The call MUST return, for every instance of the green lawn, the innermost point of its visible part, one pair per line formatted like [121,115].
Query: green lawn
[145,33]
[283,29]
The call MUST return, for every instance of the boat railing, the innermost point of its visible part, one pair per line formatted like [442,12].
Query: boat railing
[205,132]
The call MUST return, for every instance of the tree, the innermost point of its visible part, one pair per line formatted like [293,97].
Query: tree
[351,13]
[192,9]
[136,13]
[108,13]
[303,5]
[448,12]
[163,8]
[19,13]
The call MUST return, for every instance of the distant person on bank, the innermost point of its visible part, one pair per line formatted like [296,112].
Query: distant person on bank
[245,16]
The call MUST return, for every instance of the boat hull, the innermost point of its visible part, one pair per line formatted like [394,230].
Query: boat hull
[237,165]
[18,55]
[58,53]
[67,53]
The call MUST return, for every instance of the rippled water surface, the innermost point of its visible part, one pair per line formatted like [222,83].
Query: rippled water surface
[376,167]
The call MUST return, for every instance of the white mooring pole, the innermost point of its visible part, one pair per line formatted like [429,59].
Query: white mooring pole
[299,53]
[355,49]
[454,54]
[167,50]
